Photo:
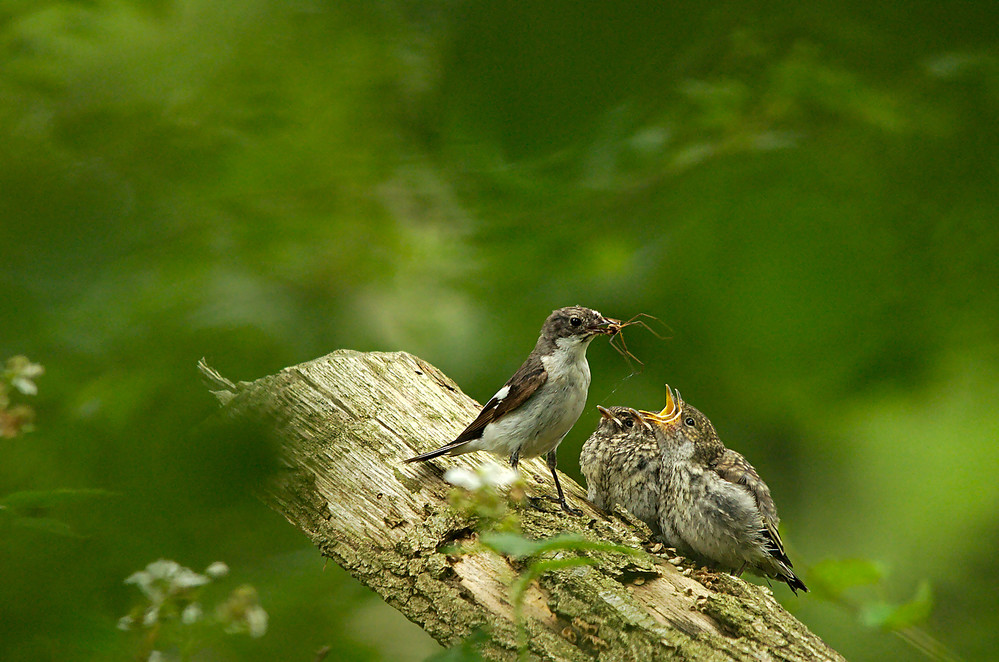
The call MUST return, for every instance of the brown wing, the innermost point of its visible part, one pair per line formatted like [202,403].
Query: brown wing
[733,467]
[528,379]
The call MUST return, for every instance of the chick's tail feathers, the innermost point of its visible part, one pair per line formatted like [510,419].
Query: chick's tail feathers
[788,577]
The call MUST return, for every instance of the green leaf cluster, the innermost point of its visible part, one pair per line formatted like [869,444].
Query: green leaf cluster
[835,581]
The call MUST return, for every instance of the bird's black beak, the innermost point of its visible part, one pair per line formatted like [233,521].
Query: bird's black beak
[606,325]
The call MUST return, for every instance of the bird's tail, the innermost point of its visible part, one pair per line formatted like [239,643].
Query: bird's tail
[787,576]
[781,565]
[429,455]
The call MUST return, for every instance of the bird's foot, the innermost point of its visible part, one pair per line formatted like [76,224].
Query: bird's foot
[536,504]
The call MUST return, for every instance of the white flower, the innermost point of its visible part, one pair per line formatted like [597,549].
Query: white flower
[146,583]
[163,569]
[187,578]
[151,615]
[25,385]
[191,614]
[126,623]
[498,475]
[486,475]
[156,656]
[461,477]
[32,370]
[256,621]
[217,570]
[242,612]
[21,372]
[140,578]
[164,578]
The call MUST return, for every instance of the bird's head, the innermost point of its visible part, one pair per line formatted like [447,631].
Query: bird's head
[578,322]
[681,423]
[623,422]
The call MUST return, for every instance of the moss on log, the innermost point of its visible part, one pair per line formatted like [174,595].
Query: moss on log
[346,421]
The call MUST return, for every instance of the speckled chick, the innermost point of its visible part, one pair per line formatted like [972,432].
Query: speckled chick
[714,507]
[621,462]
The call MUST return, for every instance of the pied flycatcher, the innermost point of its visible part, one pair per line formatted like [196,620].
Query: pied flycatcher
[535,409]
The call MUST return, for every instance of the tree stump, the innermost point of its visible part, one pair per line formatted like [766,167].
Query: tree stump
[345,423]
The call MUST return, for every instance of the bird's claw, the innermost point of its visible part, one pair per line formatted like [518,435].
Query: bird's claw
[535,503]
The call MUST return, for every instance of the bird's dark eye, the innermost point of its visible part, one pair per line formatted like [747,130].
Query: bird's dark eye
[689,421]
[628,423]
[575,321]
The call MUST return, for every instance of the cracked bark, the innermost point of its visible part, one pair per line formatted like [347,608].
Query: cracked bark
[344,424]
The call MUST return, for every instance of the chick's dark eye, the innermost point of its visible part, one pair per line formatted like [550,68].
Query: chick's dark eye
[689,421]
[575,321]
[629,423]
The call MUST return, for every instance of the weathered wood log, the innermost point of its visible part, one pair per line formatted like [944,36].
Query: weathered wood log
[346,421]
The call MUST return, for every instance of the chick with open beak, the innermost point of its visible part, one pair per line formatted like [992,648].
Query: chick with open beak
[713,505]
[621,462]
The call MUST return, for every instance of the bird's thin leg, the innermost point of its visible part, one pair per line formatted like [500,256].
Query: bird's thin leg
[552,459]
[514,460]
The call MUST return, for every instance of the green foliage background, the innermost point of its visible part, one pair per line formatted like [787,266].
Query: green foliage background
[805,194]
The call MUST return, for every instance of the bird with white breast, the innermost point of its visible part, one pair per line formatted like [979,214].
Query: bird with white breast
[531,414]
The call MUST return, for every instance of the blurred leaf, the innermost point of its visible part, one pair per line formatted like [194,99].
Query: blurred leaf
[15,504]
[899,617]
[517,546]
[539,568]
[46,525]
[831,577]
[511,544]
[50,498]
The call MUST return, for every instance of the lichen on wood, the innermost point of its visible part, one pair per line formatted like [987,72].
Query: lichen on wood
[346,421]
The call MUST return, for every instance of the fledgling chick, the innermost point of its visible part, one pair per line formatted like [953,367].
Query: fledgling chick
[531,414]
[714,507]
[620,461]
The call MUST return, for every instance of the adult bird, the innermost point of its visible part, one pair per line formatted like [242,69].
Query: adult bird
[531,414]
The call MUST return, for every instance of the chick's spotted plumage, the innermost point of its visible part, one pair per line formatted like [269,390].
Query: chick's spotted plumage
[713,504]
[620,461]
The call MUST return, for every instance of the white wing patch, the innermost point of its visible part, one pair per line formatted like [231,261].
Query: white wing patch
[501,394]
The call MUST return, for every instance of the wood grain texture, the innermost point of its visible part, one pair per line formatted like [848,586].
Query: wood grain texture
[345,423]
